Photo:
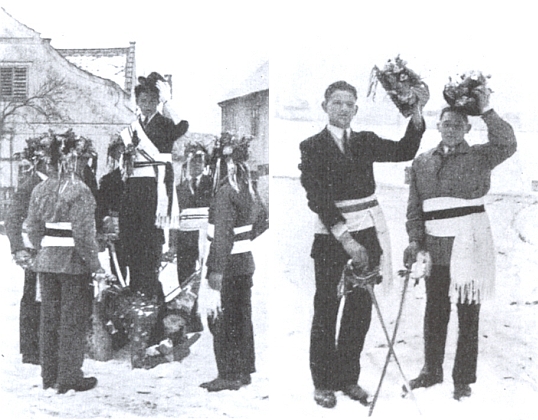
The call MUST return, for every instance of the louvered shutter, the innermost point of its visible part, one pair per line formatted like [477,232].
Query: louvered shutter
[13,83]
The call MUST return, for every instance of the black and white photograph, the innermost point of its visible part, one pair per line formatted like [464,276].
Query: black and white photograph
[246,210]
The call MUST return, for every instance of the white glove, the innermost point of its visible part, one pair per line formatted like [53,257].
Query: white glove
[212,304]
[422,266]
[165,91]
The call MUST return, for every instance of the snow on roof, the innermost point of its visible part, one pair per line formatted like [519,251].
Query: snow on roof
[256,82]
[108,63]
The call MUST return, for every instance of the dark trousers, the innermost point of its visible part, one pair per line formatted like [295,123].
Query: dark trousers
[436,320]
[335,362]
[233,333]
[65,307]
[29,317]
[142,241]
[187,254]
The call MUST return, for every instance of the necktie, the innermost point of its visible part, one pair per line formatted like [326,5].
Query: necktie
[345,143]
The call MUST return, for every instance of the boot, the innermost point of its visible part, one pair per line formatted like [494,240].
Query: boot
[221,384]
[461,391]
[325,398]
[83,384]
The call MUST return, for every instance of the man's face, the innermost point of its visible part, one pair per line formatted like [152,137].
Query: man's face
[197,165]
[341,108]
[147,103]
[453,128]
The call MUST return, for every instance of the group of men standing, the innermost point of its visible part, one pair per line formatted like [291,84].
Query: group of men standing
[66,215]
[445,217]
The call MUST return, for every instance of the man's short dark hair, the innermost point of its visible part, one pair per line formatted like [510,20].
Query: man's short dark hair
[340,85]
[455,111]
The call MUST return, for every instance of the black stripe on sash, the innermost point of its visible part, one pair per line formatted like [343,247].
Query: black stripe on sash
[58,233]
[358,207]
[145,164]
[243,236]
[450,213]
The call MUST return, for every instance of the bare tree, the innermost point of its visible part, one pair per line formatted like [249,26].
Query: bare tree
[45,102]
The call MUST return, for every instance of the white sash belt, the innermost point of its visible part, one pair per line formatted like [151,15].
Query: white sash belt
[193,218]
[364,213]
[62,241]
[472,260]
[147,152]
[240,245]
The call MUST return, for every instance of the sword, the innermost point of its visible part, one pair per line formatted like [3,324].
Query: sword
[370,289]
[405,274]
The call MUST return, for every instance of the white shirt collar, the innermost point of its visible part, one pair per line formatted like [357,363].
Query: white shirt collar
[338,135]
[150,117]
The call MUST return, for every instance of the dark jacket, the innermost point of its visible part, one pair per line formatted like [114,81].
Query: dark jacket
[230,209]
[163,132]
[201,197]
[108,198]
[465,173]
[18,210]
[328,175]
[64,200]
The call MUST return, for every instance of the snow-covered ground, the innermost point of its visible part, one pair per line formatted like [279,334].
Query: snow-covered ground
[507,369]
[507,384]
[166,391]
[282,301]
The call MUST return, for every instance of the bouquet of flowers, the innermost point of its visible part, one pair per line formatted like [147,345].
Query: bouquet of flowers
[401,84]
[462,93]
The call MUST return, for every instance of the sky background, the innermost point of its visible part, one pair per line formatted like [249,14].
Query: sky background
[209,48]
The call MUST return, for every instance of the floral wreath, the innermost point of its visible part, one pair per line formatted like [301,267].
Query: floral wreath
[56,149]
[399,81]
[234,151]
[460,93]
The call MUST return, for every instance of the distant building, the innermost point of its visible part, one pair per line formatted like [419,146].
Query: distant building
[93,90]
[245,112]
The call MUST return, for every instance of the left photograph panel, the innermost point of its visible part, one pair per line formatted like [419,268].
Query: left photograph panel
[134,211]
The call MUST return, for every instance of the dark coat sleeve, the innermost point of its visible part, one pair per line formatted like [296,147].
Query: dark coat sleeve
[18,210]
[318,192]
[82,216]
[397,151]
[223,218]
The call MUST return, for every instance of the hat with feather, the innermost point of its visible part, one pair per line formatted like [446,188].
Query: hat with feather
[229,161]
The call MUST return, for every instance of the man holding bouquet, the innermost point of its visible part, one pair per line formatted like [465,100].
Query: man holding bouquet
[337,174]
[446,217]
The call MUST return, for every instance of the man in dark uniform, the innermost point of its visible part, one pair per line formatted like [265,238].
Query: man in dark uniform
[22,249]
[61,227]
[149,184]
[108,200]
[337,174]
[194,195]
[230,267]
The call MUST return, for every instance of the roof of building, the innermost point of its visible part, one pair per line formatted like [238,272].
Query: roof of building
[256,82]
[116,64]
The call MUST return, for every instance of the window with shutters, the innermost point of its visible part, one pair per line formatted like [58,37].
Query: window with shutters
[13,83]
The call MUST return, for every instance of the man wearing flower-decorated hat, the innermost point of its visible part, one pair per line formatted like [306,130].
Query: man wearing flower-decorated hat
[446,217]
[230,264]
[61,227]
[337,174]
[35,155]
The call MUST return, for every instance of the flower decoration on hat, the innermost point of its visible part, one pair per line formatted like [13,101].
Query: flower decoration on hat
[37,150]
[232,152]
[462,92]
